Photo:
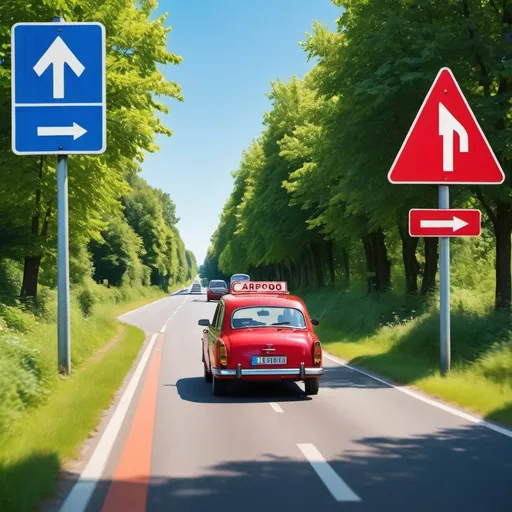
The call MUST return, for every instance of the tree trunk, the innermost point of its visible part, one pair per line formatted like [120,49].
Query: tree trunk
[304,272]
[411,266]
[310,268]
[370,262]
[503,229]
[288,266]
[330,262]
[32,261]
[30,276]
[382,264]
[316,262]
[429,273]
[346,265]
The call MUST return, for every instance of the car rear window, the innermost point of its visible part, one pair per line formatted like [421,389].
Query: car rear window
[218,284]
[267,316]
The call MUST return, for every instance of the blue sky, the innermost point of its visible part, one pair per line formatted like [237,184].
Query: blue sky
[231,51]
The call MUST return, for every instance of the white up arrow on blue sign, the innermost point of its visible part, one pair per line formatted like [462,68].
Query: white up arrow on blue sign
[58,88]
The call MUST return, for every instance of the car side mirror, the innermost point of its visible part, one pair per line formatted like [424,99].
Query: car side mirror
[204,322]
[314,321]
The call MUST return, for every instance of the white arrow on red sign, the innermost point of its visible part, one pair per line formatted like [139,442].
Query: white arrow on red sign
[441,223]
[455,224]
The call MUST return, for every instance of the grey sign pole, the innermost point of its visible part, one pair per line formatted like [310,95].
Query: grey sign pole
[444,280]
[63,318]
[63,266]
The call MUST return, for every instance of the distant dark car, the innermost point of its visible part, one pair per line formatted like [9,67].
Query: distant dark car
[196,288]
[216,289]
[204,282]
[238,277]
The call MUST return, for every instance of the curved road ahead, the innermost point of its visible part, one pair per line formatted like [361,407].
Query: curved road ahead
[359,445]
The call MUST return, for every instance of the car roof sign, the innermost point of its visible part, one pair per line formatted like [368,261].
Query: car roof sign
[251,287]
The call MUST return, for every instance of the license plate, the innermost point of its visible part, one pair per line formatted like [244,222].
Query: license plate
[269,360]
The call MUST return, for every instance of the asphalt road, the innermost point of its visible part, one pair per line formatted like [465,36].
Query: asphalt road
[358,445]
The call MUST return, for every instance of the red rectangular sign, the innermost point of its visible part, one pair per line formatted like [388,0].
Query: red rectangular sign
[239,287]
[437,223]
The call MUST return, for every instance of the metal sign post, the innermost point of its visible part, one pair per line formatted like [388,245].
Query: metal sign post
[59,108]
[444,287]
[432,155]
[63,318]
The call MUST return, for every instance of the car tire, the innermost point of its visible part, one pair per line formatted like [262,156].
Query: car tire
[312,386]
[219,386]
[207,300]
[207,374]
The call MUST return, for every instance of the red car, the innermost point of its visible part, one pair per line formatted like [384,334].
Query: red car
[260,332]
[216,289]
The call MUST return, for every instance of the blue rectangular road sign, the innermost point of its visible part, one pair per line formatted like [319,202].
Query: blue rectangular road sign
[58,88]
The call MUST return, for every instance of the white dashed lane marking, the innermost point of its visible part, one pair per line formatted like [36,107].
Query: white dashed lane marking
[337,487]
[276,407]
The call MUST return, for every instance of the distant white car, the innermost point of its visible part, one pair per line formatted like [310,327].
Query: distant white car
[196,288]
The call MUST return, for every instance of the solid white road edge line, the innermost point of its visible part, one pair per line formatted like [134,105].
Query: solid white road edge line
[439,405]
[83,489]
[337,487]
[276,407]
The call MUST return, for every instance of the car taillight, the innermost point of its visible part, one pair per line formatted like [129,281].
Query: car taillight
[317,353]
[223,354]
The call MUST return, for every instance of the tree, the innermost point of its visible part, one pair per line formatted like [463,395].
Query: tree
[118,258]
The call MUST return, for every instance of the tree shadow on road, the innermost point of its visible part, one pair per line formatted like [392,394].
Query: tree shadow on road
[463,468]
[340,377]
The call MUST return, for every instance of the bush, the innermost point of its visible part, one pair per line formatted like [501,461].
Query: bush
[20,380]
[17,319]
[11,275]
[28,362]
[86,299]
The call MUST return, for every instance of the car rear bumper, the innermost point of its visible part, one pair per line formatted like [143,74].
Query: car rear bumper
[292,373]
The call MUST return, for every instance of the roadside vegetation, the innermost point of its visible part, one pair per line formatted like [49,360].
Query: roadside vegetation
[125,249]
[311,203]
[35,450]
[399,339]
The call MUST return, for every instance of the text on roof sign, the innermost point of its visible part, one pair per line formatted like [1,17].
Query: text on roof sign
[259,286]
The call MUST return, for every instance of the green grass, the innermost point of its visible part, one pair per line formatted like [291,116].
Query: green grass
[399,339]
[32,453]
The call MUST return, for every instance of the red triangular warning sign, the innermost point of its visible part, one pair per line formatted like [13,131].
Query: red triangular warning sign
[445,144]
